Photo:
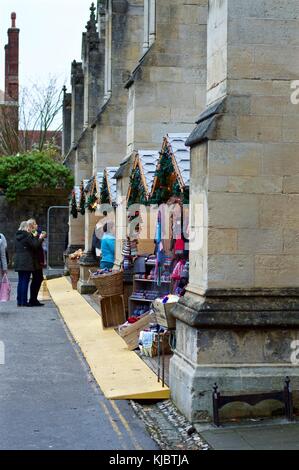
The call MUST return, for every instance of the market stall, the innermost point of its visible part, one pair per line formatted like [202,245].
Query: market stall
[138,241]
[160,277]
[108,188]
[108,277]
[170,192]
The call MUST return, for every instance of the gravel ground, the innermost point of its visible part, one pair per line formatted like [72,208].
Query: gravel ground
[168,427]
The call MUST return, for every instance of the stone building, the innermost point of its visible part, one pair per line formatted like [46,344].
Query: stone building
[147,83]
[157,64]
[238,323]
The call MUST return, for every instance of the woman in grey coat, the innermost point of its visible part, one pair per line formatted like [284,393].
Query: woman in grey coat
[3,260]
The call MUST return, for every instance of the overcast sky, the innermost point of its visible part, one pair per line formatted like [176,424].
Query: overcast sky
[50,37]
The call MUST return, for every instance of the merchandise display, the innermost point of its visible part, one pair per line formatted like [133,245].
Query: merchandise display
[149,338]
[76,255]
[145,287]
[159,278]
[100,272]
[129,252]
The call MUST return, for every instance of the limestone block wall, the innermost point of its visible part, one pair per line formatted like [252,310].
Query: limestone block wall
[77,230]
[250,174]
[77,104]
[83,162]
[123,44]
[167,91]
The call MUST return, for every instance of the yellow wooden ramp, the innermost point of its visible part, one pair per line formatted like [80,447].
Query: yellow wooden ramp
[120,373]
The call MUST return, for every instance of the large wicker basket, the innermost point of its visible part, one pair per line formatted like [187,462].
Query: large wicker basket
[109,284]
[74,269]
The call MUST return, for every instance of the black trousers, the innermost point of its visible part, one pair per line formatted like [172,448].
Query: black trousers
[37,279]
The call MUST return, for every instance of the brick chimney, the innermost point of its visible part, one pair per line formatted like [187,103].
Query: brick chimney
[12,62]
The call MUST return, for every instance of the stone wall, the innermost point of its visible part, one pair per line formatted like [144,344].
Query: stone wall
[251,185]
[36,206]
[123,43]
[168,86]
[238,322]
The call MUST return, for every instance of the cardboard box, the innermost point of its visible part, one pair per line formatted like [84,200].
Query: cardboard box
[112,310]
[164,315]
[130,333]
[164,343]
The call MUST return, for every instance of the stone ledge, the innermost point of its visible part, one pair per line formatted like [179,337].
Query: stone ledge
[88,259]
[255,291]
[255,311]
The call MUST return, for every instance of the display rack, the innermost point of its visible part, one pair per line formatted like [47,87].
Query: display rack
[147,286]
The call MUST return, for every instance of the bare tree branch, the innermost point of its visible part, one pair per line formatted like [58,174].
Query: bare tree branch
[39,106]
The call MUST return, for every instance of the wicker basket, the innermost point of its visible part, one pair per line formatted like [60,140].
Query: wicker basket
[75,275]
[109,284]
[72,263]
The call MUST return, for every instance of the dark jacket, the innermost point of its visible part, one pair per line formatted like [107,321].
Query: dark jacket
[39,254]
[26,249]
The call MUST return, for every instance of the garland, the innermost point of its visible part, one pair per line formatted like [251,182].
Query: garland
[165,167]
[74,209]
[164,170]
[164,190]
[105,197]
[186,198]
[137,194]
[82,200]
[91,203]
[176,190]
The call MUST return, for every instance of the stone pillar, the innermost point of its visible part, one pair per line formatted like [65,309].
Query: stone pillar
[238,322]
[77,80]
[123,180]
[83,160]
[121,33]
[67,122]
[76,234]
[93,78]
[92,58]
[88,260]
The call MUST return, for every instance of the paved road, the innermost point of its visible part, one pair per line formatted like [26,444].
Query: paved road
[48,399]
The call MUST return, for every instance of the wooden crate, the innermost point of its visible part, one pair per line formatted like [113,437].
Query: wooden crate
[128,289]
[164,315]
[164,343]
[130,333]
[112,310]
[145,246]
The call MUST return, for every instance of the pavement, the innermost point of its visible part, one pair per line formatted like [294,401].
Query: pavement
[49,399]
[277,435]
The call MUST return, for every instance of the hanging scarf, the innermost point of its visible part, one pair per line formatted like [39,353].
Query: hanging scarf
[158,235]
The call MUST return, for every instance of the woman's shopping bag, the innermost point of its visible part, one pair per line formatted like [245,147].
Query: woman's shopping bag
[5,289]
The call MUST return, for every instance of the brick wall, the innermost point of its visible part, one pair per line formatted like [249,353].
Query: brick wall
[36,206]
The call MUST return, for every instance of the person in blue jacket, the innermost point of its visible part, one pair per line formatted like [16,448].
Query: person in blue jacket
[107,247]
